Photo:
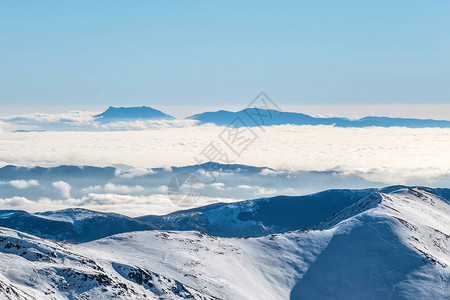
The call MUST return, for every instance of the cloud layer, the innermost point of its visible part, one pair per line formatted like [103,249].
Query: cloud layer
[379,155]
[390,155]
[81,121]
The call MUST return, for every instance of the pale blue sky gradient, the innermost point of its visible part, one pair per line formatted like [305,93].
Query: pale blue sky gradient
[208,53]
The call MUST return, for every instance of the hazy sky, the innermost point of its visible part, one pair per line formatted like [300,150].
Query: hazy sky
[215,53]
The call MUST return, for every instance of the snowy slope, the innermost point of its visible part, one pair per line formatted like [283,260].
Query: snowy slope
[33,268]
[387,245]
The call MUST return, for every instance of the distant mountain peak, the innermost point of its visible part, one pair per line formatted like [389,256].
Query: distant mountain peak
[255,116]
[132,113]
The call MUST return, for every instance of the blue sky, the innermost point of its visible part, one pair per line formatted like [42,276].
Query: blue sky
[208,53]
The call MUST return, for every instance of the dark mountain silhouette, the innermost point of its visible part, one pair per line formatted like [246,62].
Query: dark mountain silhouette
[252,117]
[71,225]
[131,113]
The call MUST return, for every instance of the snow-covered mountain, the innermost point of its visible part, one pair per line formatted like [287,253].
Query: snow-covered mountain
[250,218]
[245,218]
[34,268]
[386,245]
[253,117]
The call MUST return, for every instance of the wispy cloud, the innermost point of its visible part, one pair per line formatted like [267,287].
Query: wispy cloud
[218,186]
[133,172]
[114,188]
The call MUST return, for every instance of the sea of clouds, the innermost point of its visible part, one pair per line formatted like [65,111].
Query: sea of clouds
[387,156]
[390,155]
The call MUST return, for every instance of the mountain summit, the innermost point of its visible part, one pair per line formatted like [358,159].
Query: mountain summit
[132,113]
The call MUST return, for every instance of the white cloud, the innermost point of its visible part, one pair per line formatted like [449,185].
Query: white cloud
[270,172]
[15,202]
[245,187]
[134,172]
[76,118]
[265,192]
[21,184]
[167,168]
[218,186]
[122,189]
[93,188]
[113,188]
[163,189]
[148,124]
[63,187]
[83,119]
[6,127]
[129,205]
[211,173]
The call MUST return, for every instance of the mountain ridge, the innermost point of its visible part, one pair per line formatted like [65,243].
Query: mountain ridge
[254,117]
[393,244]
[249,218]
[122,118]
